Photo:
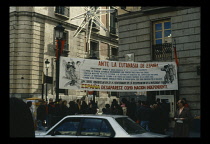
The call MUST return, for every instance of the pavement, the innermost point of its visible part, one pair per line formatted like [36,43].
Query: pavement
[193,133]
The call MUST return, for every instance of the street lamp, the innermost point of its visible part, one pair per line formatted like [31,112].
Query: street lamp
[47,65]
[59,30]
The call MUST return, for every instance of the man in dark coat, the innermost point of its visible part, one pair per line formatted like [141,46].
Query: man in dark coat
[182,119]
[41,115]
[21,121]
[133,109]
[144,115]
[158,119]
[51,112]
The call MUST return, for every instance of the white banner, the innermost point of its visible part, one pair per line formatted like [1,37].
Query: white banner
[102,75]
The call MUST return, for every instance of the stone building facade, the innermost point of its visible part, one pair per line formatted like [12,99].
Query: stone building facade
[144,32]
[32,41]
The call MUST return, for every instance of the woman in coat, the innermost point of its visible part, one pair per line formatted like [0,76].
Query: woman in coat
[182,120]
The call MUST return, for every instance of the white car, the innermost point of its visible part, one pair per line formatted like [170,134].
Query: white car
[96,126]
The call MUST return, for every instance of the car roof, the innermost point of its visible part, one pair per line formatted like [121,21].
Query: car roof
[97,115]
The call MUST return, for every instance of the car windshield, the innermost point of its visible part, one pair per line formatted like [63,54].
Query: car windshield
[130,126]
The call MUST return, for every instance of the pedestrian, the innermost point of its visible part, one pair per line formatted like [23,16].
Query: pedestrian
[185,101]
[58,113]
[91,109]
[126,107]
[182,119]
[138,111]
[78,105]
[158,119]
[114,101]
[83,108]
[21,121]
[103,110]
[133,109]
[41,115]
[72,110]
[64,109]
[166,107]
[117,110]
[108,109]
[145,115]
[51,113]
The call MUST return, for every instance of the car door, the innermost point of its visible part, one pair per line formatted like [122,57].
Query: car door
[95,128]
[67,128]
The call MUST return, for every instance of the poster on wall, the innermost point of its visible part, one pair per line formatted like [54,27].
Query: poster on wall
[118,76]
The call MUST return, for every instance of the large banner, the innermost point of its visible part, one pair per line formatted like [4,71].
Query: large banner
[102,75]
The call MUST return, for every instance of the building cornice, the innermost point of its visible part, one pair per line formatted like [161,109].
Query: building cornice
[45,17]
[149,11]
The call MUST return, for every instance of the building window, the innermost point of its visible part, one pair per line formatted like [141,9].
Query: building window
[114,54]
[94,50]
[162,40]
[162,32]
[62,11]
[113,20]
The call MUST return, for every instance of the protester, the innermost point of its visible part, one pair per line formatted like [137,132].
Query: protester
[84,107]
[158,119]
[51,112]
[91,108]
[133,109]
[41,115]
[57,116]
[166,107]
[64,109]
[117,110]
[137,112]
[108,109]
[78,105]
[72,110]
[144,115]
[21,121]
[126,107]
[182,119]
[185,103]
[103,110]
[114,102]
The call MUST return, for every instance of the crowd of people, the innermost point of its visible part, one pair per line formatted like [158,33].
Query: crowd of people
[49,114]
[153,117]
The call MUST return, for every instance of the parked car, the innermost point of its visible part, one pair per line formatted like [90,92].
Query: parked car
[96,126]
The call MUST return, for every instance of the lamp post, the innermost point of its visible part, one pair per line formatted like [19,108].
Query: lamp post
[59,29]
[47,65]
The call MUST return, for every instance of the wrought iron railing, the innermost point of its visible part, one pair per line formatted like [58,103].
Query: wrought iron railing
[162,51]
[62,10]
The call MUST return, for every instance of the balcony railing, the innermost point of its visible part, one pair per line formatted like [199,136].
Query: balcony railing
[162,52]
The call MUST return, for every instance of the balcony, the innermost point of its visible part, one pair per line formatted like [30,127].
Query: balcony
[162,52]
[62,12]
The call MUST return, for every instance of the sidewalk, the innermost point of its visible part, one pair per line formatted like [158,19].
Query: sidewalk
[194,134]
